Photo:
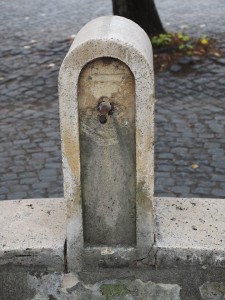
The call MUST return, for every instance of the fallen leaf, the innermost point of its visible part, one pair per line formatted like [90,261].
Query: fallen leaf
[51,65]
[216,54]
[204,41]
[197,53]
[194,166]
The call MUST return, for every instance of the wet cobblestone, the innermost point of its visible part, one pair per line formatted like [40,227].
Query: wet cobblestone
[189,119]
[190,125]
[30,140]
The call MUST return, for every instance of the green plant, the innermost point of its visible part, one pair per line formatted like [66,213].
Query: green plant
[204,40]
[162,39]
[112,291]
[170,39]
[182,37]
[185,47]
[180,41]
[178,38]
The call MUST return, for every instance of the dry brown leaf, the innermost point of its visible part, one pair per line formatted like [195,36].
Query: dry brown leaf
[194,166]
[216,54]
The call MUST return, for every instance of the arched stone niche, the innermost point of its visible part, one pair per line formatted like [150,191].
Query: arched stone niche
[106,89]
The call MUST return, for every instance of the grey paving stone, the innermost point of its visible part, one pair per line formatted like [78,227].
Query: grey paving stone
[27,175]
[166,168]
[164,182]
[218,177]
[28,181]
[185,60]
[9,176]
[181,190]
[17,195]
[218,193]
[3,190]
[40,186]
[19,187]
[175,68]
[47,173]
[203,191]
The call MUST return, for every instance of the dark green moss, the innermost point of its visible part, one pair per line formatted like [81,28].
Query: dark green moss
[110,291]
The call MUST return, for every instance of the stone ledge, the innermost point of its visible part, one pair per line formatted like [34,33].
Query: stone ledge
[33,232]
[190,231]
[171,257]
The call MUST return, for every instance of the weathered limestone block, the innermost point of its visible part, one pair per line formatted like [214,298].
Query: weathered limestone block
[190,231]
[212,291]
[106,89]
[33,233]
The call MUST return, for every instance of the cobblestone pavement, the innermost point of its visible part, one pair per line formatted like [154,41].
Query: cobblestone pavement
[200,17]
[190,126]
[190,119]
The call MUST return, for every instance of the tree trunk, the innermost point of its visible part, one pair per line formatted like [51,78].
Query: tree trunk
[142,12]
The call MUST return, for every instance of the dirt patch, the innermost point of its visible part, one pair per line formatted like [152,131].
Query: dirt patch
[178,55]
